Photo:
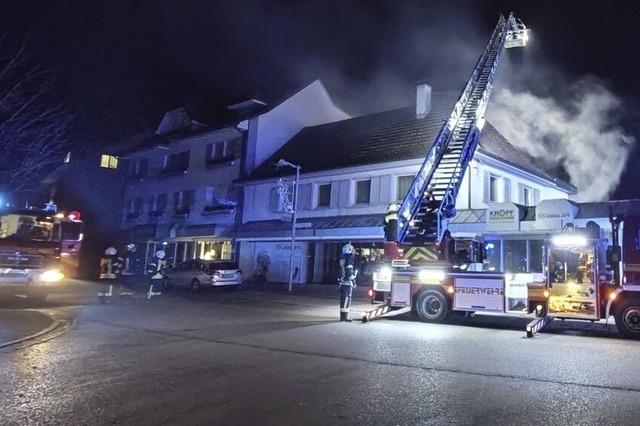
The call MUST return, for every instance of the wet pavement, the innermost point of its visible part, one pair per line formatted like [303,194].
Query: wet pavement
[265,357]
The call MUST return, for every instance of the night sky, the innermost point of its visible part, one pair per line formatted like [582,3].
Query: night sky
[120,66]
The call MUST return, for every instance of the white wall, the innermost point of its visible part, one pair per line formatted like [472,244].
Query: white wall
[310,106]
[278,252]
[384,189]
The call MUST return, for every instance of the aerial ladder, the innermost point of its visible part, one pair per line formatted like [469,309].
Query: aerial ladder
[431,199]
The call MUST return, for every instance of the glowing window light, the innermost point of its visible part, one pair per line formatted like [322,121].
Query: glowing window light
[569,240]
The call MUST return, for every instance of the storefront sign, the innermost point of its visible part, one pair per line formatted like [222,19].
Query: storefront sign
[503,217]
[554,214]
[478,294]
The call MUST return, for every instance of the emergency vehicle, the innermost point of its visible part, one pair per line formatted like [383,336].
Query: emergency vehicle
[584,276]
[38,248]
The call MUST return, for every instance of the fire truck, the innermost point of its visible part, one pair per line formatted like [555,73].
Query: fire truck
[38,248]
[584,276]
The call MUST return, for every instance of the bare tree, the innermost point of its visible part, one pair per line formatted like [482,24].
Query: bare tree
[34,127]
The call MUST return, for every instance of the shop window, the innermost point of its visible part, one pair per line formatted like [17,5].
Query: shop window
[492,255]
[324,195]
[108,161]
[404,183]
[535,256]
[515,256]
[363,191]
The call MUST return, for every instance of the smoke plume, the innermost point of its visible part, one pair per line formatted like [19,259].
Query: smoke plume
[581,135]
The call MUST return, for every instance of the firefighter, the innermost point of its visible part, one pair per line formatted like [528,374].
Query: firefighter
[347,280]
[391,231]
[110,268]
[157,274]
[447,248]
[131,268]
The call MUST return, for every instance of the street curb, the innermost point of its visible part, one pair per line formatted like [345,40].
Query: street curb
[55,324]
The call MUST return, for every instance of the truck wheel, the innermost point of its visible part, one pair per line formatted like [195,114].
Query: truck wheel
[627,316]
[432,306]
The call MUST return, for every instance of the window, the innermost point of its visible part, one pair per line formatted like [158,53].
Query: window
[515,256]
[275,203]
[183,200]
[494,189]
[161,203]
[493,252]
[324,195]
[404,183]
[535,256]
[215,151]
[527,196]
[209,195]
[108,161]
[177,162]
[151,201]
[137,205]
[67,157]
[139,167]
[363,191]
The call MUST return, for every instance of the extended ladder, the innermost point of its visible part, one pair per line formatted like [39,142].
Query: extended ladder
[430,202]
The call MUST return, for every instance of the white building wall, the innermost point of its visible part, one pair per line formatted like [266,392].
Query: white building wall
[384,189]
[310,106]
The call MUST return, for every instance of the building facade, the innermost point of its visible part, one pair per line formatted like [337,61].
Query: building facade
[181,193]
[352,170]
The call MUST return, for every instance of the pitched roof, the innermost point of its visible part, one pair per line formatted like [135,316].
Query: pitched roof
[387,136]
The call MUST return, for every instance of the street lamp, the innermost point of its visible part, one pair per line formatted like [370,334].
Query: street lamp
[285,163]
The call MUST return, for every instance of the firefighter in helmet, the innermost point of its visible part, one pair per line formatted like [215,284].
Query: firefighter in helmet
[156,271]
[110,269]
[347,280]
[131,268]
[391,250]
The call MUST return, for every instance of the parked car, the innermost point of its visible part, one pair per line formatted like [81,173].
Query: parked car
[199,274]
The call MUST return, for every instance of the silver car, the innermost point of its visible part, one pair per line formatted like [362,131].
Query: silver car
[199,274]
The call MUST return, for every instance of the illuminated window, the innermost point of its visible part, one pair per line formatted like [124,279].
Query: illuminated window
[108,161]
[67,157]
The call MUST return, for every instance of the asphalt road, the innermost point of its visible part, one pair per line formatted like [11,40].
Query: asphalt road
[256,357]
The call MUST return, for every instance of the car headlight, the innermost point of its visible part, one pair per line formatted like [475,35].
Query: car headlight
[51,276]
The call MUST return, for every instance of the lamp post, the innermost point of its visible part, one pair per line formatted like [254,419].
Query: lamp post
[284,163]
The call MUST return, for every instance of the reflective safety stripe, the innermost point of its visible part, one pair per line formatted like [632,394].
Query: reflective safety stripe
[420,253]
[344,309]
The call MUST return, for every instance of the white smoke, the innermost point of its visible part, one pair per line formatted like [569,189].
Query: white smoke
[582,136]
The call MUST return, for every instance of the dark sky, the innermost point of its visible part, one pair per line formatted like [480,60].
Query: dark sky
[120,64]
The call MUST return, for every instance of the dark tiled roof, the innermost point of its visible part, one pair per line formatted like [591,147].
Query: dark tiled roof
[387,136]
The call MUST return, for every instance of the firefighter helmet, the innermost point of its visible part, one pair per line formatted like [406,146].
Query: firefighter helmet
[131,247]
[348,249]
[393,208]
[111,251]
[160,254]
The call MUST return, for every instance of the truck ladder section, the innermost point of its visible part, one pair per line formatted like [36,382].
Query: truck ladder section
[537,325]
[430,201]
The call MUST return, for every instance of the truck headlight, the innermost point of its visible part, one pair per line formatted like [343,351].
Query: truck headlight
[384,274]
[51,276]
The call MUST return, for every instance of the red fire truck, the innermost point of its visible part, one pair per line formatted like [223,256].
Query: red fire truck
[38,248]
[585,278]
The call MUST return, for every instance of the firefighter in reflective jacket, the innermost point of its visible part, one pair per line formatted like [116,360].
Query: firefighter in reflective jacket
[347,280]
[110,268]
[391,250]
[131,268]
[156,271]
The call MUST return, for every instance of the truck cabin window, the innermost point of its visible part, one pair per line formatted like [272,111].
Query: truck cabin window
[571,266]
[28,228]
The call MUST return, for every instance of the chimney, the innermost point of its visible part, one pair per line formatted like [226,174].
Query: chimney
[423,100]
